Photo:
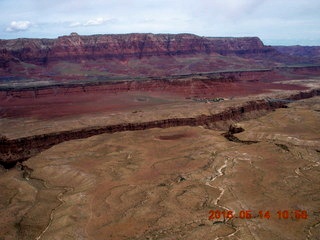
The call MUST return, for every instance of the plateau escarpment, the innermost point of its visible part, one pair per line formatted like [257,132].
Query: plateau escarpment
[119,56]
[123,46]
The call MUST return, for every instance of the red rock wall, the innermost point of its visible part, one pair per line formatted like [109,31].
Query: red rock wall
[122,46]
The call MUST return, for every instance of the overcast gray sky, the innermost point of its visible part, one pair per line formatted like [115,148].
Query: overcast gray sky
[276,22]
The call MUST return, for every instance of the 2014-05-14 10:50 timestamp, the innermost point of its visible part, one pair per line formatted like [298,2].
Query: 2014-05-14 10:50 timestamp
[248,214]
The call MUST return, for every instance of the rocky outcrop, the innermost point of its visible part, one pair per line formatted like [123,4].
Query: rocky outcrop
[233,129]
[122,46]
[15,150]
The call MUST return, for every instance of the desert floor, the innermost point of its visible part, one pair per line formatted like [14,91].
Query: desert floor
[165,183]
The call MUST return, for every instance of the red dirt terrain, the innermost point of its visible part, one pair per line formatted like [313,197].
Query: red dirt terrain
[64,102]
[74,99]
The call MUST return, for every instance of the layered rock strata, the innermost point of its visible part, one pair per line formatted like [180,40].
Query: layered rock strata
[122,46]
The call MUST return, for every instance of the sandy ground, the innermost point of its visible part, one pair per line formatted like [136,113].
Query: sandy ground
[162,184]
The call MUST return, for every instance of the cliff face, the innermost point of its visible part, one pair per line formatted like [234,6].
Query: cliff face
[123,46]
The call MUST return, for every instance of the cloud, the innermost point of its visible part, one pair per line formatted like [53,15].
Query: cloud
[94,22]
[18,26]
[91,22]
[75,24]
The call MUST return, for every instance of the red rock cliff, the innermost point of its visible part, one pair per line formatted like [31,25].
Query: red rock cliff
[122,46]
